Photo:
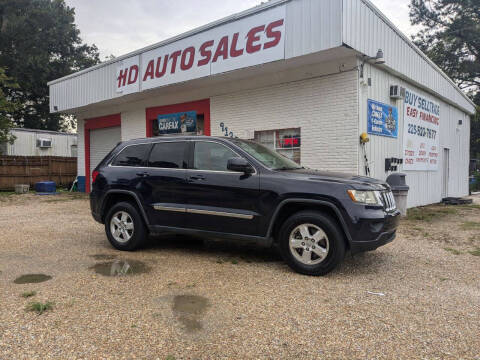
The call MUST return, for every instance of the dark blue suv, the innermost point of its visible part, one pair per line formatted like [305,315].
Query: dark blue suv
[232,188]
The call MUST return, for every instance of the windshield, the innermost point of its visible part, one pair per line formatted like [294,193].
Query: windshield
[267,157]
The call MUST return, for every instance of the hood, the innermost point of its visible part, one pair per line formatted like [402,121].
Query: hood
[356,181]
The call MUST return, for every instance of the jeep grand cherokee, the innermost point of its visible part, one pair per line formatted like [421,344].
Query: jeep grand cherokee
[232,188]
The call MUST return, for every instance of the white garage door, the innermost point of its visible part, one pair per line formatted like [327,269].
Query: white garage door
[102,141]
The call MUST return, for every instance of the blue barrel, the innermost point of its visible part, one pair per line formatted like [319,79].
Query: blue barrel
[81,183]
[46,187]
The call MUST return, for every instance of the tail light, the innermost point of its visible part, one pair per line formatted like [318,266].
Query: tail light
[94,176]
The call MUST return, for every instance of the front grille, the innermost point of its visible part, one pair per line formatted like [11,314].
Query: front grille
[388,201]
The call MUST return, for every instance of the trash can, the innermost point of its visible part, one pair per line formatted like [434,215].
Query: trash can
[45,187]
[400,191]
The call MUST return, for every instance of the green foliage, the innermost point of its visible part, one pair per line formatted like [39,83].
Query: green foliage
[470,225]
[39,42]
[453,251]
[39,307]
[6,108]
[429,213]
[451,38]
[475,135]
[28,294]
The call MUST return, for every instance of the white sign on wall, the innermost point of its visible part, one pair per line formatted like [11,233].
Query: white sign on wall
[250,41]
[421,137]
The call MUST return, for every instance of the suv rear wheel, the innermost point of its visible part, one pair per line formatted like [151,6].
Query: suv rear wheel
[124,227]
[311,243]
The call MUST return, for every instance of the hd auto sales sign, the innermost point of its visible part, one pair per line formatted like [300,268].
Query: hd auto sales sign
[250,41]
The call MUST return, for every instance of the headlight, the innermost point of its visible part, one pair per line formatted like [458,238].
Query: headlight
[365,197]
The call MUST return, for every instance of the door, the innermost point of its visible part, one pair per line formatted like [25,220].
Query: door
[446,172]
[102,141]
[218,199]
[164,183]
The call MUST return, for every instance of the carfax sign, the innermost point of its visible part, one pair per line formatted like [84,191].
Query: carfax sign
[382,119]
[185,122]
[420,133]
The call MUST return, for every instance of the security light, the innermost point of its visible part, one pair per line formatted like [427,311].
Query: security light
[379,58]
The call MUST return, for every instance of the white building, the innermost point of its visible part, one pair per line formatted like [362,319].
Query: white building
[298,75]
[32,142]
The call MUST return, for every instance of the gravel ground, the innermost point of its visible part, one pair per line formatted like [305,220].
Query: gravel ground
[181,298]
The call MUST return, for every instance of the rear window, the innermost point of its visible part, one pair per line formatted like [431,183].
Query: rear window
[133,155]
[170,155]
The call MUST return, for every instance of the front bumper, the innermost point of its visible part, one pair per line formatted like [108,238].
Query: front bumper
[374,232]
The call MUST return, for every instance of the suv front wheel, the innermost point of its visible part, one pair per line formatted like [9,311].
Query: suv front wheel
[311,243]
[124,227]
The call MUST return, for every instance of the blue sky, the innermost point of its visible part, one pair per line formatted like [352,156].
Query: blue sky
[120,26]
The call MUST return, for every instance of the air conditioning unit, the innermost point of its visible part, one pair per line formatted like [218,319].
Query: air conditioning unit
[44,143]
[397,92]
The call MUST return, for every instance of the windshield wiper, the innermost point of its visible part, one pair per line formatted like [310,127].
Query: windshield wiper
[288,168]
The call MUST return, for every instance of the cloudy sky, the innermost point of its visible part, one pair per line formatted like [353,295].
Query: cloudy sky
[120,26]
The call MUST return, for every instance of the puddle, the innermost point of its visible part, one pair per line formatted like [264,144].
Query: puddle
[190,309]
[121,268]
[103,257]
[31,279]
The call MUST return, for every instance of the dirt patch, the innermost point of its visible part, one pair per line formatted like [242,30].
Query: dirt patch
[32,278]
[456,229]
[211,299]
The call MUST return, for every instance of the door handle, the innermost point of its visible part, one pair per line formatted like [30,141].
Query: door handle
[197,177]
[142,174]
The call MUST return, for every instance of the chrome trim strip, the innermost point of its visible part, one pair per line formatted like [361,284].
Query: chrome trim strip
[169,208]
[220,213]
[162,207]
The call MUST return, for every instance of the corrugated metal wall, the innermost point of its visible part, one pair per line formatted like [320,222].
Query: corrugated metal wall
[425,186]
[312,26]
[26,144]
[366,30]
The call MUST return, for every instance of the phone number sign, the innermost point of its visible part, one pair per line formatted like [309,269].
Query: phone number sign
[420,133]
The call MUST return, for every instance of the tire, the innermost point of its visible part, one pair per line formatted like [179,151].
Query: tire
[134,231]
[323,250]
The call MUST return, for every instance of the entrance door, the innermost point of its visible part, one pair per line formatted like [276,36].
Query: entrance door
[218,199]
[446,172]
[102,141]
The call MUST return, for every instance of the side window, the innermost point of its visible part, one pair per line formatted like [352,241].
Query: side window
[134,155]
[169,155]
[211,156]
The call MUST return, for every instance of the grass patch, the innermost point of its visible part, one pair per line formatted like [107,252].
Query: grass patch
[471,206]
[452,250]
[39,307]
[28,294]
[470,225]
[170,357]
[234,261]
[475,252]
[428,213]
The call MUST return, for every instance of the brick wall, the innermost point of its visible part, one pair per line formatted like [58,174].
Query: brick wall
[325,108]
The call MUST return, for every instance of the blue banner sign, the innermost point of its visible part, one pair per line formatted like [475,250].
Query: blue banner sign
[382,119]
[178,123]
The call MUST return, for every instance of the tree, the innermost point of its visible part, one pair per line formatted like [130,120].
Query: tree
[6,108]
[450,36]
[39,42]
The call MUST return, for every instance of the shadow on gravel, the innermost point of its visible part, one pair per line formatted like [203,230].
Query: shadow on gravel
[226,250]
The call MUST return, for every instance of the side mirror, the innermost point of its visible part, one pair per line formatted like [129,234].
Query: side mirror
[239,164]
